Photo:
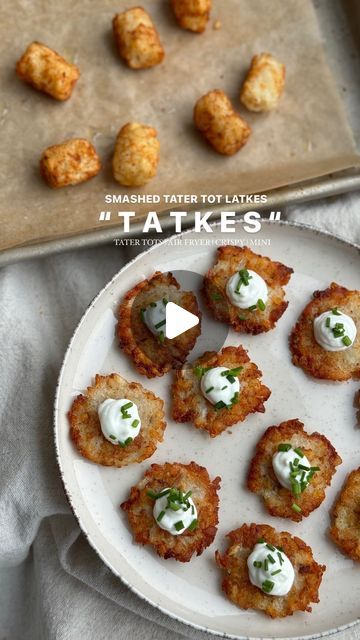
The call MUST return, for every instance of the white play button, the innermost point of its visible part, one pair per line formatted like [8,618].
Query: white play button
[178,320]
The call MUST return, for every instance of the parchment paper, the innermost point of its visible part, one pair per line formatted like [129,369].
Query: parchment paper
[306,137]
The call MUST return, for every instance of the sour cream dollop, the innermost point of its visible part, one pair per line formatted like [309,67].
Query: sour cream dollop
[325,332]
[216,387]
[119,420]
[281,464]
[175,522]
[155,317]
[244,295]
[274,577]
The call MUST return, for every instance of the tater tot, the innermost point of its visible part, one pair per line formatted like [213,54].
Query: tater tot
[69,163]
[263,84]
[222,127]
[137,39]
[47,71]
[136,155]
[192,14]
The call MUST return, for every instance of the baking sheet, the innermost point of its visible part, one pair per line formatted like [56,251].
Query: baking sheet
[307,136]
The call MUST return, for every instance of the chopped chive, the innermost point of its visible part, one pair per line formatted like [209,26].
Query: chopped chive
[253,307]
[274,573]
[346,341]
[209,389]
[160,516]
[135,423]
[327,322]
[187,495]
[270,546]
[179,525]
[142,315]
[219,405]
[193,525]
[161,336]
[241,317]
[160,324]
[112,437]
[295,488]
[198,371]
[126,406]
[296,508]
[174,506]
[126,415]
[231,372]
[314,468]
[192,509]
[261,540]
[152,304]
[335,311]
[284,447]
[270,558]
[257,564]
[296,462]
[299,452]
[281,559]
[235,398]
[267,586]
[151,494]
[128,441]
[165,301]
[163,493]
[216,296]
[231,379]
[266,564]
[303,467]
[261,305]
[225,387]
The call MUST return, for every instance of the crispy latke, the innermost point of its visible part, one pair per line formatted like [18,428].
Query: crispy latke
[307,353]
[187,477]
[229,261]
[345,530]
[236,583]
[152,358]
[262,479]
[85,429]
[189,404]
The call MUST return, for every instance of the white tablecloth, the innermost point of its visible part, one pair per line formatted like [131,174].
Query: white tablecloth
[52,584]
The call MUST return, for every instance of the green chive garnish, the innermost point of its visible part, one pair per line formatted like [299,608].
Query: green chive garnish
[261,541]
[267,586]
[160,324]
[346,341]
[304,467]
[209,389]
[128,441]
[284,447]
[274,573]
[335,312]
[261,305]
[296,508]
[299,452]
[160,516]
[187,495]
[152,304]
[327,322]
[161,336]
[271,547]
[179,525]
[126,406]
[135,423]
[165,301]
[253,307]
[219,405]
[142,315]
[112,437]
[270,558]
[222,388]
[216,296]
[231,379]
[151,494]
[193,525]
[281,559]
[174,506]
[266,564]
[257,564]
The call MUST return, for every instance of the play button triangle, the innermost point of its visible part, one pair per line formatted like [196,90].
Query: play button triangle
[178,320]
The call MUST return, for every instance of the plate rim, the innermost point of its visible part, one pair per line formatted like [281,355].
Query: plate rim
[312,229]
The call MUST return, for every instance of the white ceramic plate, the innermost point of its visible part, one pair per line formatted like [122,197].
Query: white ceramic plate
[191,592]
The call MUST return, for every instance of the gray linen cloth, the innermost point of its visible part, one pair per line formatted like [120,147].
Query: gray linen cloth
[52,584]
